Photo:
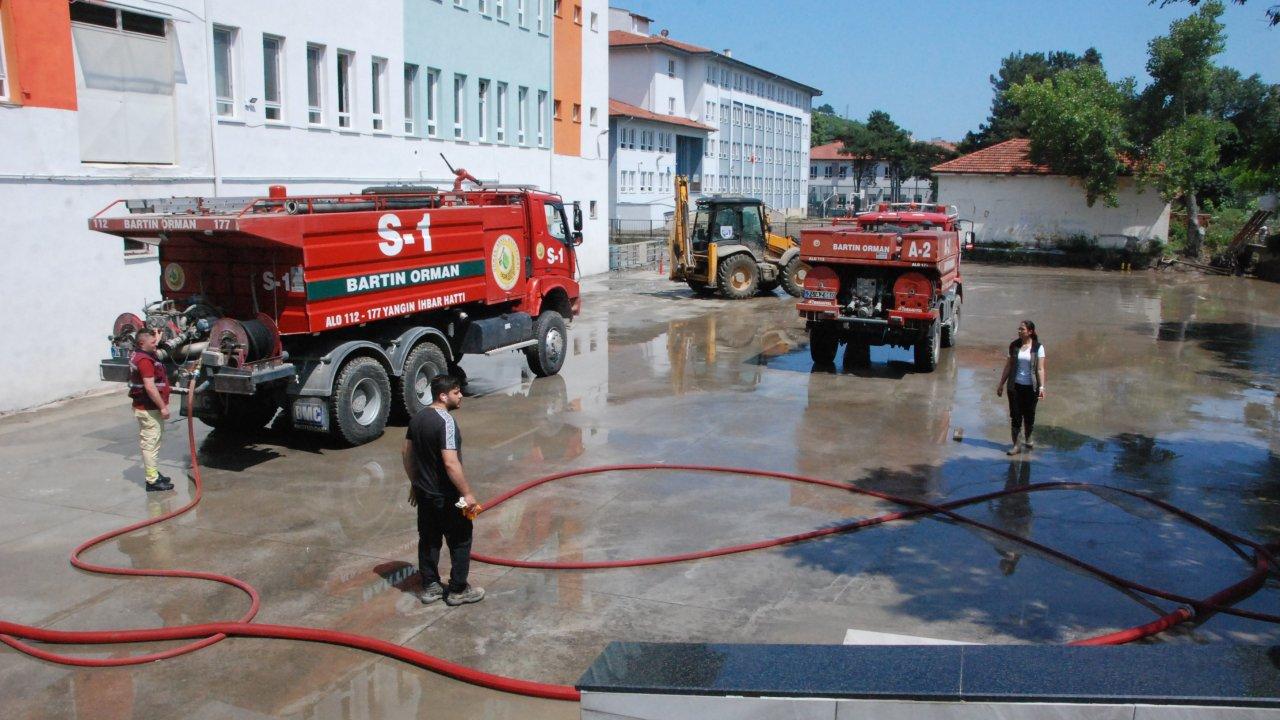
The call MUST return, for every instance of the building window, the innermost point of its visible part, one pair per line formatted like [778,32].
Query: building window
[500,9]
[460,4]
[272,77]
[459,104]
[555,109]
[577,113]
[224,85]
[482,108]
[124,85]
[594,115]
[410,98]
[592,209]
[520,13]
[378,93]
[577,14]
[555,7]
[4,76]
[542,117]
[315,84]
[522,113]
[595,27]
[346,63]
[433,102]
[671,68]
[671,106]
[500,123]
[483,6]
[541,13]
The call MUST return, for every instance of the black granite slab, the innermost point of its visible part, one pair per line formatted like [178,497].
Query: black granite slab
[1219,674]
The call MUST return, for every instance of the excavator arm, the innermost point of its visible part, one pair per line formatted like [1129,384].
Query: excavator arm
[678,243]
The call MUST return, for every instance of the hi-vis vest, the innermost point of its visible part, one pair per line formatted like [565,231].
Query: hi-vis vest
[137,390]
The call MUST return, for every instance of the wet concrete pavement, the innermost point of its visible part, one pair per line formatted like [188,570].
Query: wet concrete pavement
[1158,383]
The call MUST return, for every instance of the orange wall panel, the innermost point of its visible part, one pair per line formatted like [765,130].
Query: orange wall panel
[38,47]
[566,135]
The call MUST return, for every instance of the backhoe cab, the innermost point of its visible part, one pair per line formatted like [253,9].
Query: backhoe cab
[729,247]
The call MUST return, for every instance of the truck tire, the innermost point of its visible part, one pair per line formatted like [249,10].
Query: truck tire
[413,389]
[952,328]
[793,276]
[361,401]
[738,277]
[547,357]
[857,353]
[926,350]
[823,344]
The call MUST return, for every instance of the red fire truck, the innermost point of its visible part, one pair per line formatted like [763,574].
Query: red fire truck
[890,276]
[341,308]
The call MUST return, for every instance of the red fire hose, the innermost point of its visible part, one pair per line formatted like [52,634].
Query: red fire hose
[13,634]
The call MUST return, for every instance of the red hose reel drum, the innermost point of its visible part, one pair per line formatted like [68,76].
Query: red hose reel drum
[245,341]
[913,291]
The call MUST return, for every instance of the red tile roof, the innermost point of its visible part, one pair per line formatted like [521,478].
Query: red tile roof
[1007,158]
[617,108]
[829,151]
[622,38]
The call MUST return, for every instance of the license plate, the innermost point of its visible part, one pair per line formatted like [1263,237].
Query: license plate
[310,414]
[819,295]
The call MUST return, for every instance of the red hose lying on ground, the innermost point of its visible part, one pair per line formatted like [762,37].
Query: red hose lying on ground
[207,634]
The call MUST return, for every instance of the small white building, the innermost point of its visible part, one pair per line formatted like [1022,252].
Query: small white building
[644,161]
[757,142]
[1011,199]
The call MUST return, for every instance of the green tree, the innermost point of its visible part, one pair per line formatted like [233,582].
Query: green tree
[1272,11]
[1172,110]
[892,145]
[825,126]
[1005,120]
[863,150]
[921,157]
[1076,123]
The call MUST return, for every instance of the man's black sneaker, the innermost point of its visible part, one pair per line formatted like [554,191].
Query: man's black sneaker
[472,594]
[431,593]
[161,484]
[161,477]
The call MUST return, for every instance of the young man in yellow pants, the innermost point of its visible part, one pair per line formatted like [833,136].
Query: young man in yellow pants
[149,388]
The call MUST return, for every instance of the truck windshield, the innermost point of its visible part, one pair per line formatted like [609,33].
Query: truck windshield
[555,221]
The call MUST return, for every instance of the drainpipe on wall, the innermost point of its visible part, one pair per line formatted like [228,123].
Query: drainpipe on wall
[213,119]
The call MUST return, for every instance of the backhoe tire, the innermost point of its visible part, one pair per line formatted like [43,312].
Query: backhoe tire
[700,288]
[361,401]
[738,277]
[823,343]
[793,276]
[927,349]
[413,388]
[952,328]
[547,357]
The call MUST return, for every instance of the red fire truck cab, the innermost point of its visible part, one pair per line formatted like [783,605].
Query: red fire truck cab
[890,276]
[339,309]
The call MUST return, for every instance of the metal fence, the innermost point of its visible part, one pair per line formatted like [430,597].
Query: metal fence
[636,255]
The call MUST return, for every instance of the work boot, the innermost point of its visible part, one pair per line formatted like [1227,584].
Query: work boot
[431,593]
[1013,450]
[472,594]
[160,484]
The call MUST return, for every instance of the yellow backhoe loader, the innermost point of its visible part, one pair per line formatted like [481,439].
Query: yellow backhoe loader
[729,247]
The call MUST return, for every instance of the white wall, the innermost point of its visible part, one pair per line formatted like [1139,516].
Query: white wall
[1031,209]
[586,179]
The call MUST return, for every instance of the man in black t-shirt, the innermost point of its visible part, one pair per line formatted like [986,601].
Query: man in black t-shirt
[432,458]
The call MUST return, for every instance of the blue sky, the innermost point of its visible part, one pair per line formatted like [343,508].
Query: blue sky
[927,62]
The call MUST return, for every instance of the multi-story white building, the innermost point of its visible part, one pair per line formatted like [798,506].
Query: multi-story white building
[838,184]
[729,126]
[150,98]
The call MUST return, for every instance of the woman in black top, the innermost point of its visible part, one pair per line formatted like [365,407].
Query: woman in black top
[1024,377]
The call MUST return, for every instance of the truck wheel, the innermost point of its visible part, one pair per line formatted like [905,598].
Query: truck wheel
[952,327]
[857,353]
[926,350]
[547,356]
[793,276]
[361,401]
[414,386]
[738,277]
[823,344]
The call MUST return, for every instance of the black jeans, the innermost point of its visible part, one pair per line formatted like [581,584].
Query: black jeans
[440,521]
[1022,409]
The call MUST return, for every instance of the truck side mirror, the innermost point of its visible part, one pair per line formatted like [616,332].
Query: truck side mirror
[577,238]
[577,218]
[968,240]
